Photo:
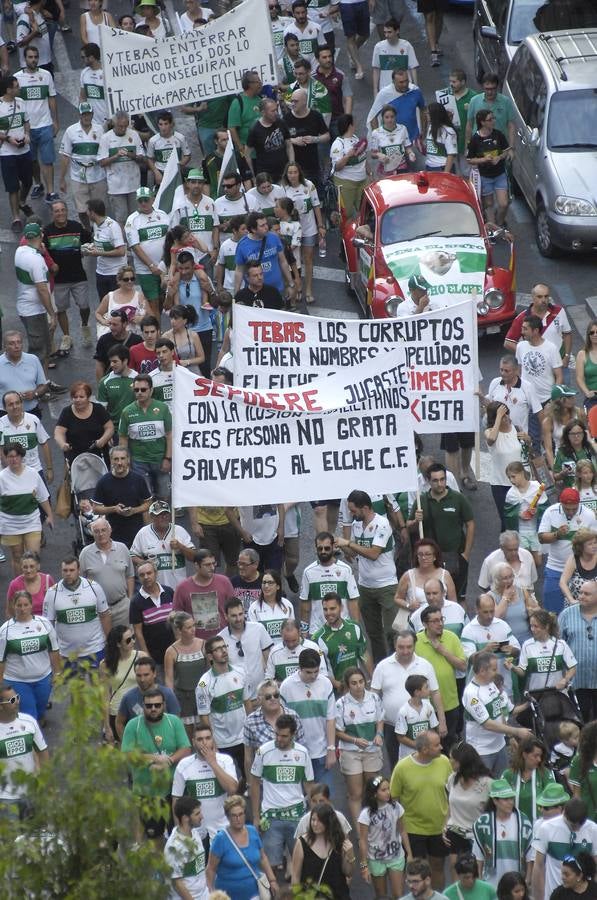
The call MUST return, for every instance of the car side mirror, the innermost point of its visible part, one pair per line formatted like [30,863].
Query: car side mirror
[361,242]
[489,32]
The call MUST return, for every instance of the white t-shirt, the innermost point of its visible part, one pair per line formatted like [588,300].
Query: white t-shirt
[227,258]
[149,544]
[516,497]
[393,145]
[159,148]
[108,236]
[194,777]
[282,661]
[13,116]
[560,550]
[525,577]
[92,82]
[389,677]
[305,199]
[556,834]
[124,176]
[30,269]
[186,858]
[41,42]
[319,580]
[25,648]
[272,619]
[75,613]
[246,651]
[261,522]
[314,704]
[359,718]
[225,208]
[19,496]
[149,232]
[265,203]
[387,57]
[383,835]
[200,219]
[380,572]
[282,773]
[475,636]
[221,697]
[411,722]
[19,740]
[36,87]
[82,148]
[310,37]
[483,703]
[537,365]
[29,433]
[437,152]
[356,167]
[537,658]
[519,399]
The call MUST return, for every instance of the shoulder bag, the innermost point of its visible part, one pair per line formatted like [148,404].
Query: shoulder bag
[263,887]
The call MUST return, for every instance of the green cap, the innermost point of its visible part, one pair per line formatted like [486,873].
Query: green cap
[552,795]
[146,3]
[32,230]
[501,789]
[144,192]
[85,108]
[417,282]
[562,390]
[195,175]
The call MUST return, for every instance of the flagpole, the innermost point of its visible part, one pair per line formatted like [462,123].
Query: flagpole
[172,508]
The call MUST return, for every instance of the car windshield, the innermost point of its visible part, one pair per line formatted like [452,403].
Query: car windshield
[571,123]
[530,16]
[407,223]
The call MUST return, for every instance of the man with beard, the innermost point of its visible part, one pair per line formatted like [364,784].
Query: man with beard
[321,577]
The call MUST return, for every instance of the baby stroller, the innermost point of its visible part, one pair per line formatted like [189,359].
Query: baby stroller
[547,708]
[85,472]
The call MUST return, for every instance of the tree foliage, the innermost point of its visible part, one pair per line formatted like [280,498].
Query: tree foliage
[79,843]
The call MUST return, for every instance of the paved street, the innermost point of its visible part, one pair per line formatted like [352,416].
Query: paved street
[571,278]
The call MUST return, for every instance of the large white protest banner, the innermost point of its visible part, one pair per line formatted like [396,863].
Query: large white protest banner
[273,350]
[234,446]
[142,75]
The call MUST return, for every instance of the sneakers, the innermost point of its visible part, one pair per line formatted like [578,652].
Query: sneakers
[434,59]
[26,209]
[65,345]
[292,583]
[87,341]
[37,191]
[52,197]
[54,388]
[2,556]
[17,225]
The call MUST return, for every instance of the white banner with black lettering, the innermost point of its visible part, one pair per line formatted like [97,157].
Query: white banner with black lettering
[203,64]
[276,350]
[235,446]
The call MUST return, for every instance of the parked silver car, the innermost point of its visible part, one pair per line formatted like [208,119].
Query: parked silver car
[499,26]
[552,82]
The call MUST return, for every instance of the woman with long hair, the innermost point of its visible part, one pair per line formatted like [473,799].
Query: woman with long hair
[384,843]
[429,563]
[560,410]
[117,671]
[586,366]
[303,194]
[191,354]
[323,855]
[577,874]
[545,645]
[390,145]
[504,445]
[126,297]
[502,834]
[581,565]
[575,445]
[441,143]
[184,664]
[585,482]
[265,194]
[468,791]
[512,886]
[349,164]
[583,769]
[528,774]
[272,609]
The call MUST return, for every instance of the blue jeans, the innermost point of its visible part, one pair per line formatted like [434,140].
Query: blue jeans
[320,773]
[207,137]
[73,666]
[34,695]
[279,835]
[553,598]
[158,482]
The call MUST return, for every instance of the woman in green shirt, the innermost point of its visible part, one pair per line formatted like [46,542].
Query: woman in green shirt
[469,886]
[528,775]
[575,445]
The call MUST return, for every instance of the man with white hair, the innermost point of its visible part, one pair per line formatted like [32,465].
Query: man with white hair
[455,617]
[490,634]
[519,559]
[109,563]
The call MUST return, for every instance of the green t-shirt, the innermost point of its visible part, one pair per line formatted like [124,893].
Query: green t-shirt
[116,393]
[343,646]
[421,790]
[588,786]
[164,737]
[444,519]
[444,671]
[146,430]
[462,105]
[525,795]
[242,115]
[215,114]
[481,890]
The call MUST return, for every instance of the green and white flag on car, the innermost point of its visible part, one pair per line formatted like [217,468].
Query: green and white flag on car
[171,182]
[454,267]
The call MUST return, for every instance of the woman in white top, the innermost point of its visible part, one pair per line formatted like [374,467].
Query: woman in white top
[545,661]
[503,442]
[585,479]
[390,145]
[90,22]
[349,165]
[272,609]
[126,297]
[306,200]
[441,143]
[468,790]
[410,594]
[147,13]
[265,194]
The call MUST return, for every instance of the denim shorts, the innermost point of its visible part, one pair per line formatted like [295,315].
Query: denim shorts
[309,240]
[42,140]
[489,185]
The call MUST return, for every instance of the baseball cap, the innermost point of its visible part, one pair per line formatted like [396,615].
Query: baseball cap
[417,282]
[562,390]
[158,507]
[195,175]
[32,229]
[501,789]
[569,495]
[144,192]
[552,795]
[85,108]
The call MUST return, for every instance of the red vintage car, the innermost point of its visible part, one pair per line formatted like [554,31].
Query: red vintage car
[402,209]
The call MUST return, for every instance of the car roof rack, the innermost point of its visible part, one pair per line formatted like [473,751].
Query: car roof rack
[568,47]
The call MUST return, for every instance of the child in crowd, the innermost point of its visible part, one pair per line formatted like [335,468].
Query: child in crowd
[383,841]
[564,750]
[320,793]
[416,716]
[522,508]
[586,484]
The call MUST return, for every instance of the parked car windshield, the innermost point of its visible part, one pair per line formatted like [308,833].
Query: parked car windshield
[571,123]
[406,223]
[530,16]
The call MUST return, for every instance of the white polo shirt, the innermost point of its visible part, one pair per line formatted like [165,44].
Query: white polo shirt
[246,651]
[389,677]
[554,516]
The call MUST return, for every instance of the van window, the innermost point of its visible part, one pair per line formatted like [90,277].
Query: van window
[572,124]
[528,87]
[495,8]
[530,16]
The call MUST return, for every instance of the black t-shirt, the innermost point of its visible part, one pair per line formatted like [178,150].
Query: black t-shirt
[131,491]
[313,124]
[562,893]
[81,433]
[247,591]
[269,143]
[64,246]
[493,145]
[268,297]
[108,340]
[154,619]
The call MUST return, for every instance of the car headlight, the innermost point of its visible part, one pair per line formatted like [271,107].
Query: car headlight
[573,206]
[391,305]
[493,298]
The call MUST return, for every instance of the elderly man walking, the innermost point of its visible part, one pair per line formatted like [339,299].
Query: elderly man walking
[108,563]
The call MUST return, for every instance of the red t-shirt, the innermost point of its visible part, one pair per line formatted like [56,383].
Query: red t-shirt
[200,601]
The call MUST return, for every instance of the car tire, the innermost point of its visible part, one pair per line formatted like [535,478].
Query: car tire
[543,236]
